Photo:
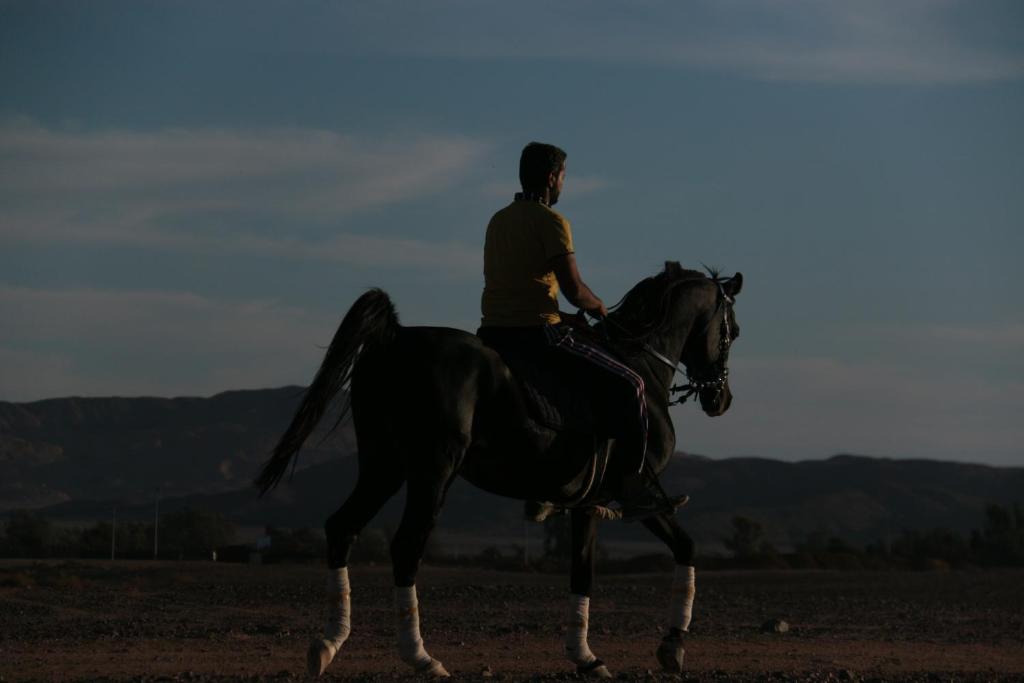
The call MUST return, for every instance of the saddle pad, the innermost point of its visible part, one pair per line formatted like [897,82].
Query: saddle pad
[553,396]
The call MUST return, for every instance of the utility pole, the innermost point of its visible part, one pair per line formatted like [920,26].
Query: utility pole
[113,534]
[526,544]
[156,526]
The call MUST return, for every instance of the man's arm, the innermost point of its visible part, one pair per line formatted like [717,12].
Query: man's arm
[573,287]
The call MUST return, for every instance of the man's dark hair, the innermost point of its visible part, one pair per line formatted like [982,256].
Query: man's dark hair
[537,161]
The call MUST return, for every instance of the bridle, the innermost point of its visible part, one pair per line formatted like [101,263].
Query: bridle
[716,379]
[718,376]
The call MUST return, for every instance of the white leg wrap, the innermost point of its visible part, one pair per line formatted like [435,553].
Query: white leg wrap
[681,600]
[576,648]
[339,608]
[410,643]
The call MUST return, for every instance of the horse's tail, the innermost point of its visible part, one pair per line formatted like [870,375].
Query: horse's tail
[371,320]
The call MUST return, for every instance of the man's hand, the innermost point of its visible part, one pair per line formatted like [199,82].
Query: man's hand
[600,312]
[576,320]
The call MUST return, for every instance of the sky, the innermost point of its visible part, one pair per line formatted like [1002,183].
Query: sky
[192,194]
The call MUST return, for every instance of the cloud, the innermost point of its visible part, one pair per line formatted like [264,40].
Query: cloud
[324,170]
[207,189]
[30,375]
[448,258]
[103,316]
[1004,337]
[869,41]
[922,41]
[60,341]
[821,41]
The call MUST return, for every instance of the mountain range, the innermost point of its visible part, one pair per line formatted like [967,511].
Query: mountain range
[75,458]
[132,449]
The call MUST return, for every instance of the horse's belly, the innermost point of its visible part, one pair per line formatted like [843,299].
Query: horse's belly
[559,474]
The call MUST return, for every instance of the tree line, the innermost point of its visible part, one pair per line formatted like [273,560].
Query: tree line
[195,534]
[186,534]
[998,543]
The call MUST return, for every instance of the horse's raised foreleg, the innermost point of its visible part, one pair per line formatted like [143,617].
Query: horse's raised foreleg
[425,495]
[372,490]
[581,582]
[670,651]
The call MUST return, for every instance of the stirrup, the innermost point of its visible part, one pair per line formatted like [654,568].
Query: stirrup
[539,510]
[641,512]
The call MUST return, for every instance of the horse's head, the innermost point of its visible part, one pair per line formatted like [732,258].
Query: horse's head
[687,310]
[706,350]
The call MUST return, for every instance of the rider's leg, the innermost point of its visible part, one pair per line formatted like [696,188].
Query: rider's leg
[619,399]
[620,410]
[639,496]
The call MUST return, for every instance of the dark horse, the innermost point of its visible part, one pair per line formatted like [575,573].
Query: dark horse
[430,404]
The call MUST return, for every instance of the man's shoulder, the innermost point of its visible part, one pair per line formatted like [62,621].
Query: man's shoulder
[544,214]
[554,219]
[532,212]
[504,211]
[548,211]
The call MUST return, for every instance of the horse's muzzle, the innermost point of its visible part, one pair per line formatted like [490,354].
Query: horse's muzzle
[715,402]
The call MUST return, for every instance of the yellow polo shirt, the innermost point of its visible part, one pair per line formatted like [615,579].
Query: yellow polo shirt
[520,288]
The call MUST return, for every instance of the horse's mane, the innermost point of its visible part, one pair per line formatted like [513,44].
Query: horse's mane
[643,311]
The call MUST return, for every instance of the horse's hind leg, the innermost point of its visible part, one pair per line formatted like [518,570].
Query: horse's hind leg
[670,651]
[581,581]
[427,485]
[376,484]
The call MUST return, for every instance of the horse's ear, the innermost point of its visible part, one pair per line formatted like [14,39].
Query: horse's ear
[733,285]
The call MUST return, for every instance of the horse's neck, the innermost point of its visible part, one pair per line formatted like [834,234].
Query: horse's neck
[658,376]
[668,342]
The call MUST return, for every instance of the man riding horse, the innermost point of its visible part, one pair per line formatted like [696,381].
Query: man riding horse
[433,404]
[528,257]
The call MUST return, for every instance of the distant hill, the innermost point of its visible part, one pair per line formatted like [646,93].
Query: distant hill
[853,497]
[858,499]
[70,449]
[75,457]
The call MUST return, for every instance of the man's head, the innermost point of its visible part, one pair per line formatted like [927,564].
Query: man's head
[542,170]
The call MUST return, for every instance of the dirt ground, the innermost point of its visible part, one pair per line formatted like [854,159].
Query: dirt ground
[150,621]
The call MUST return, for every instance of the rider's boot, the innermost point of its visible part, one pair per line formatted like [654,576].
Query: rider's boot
[639,501]
[538,510]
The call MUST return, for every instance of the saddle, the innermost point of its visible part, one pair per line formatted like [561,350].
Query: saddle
[562,419]
[568,417]
[562,391]
[551,396]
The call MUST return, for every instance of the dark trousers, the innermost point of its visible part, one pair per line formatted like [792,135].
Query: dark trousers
[616,391]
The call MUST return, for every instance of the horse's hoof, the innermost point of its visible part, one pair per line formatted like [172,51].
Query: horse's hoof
[434,669]
[670,655]
[318,657]
[596,669]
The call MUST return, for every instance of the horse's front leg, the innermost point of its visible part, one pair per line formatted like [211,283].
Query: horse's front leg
[670,651]
[584,540]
